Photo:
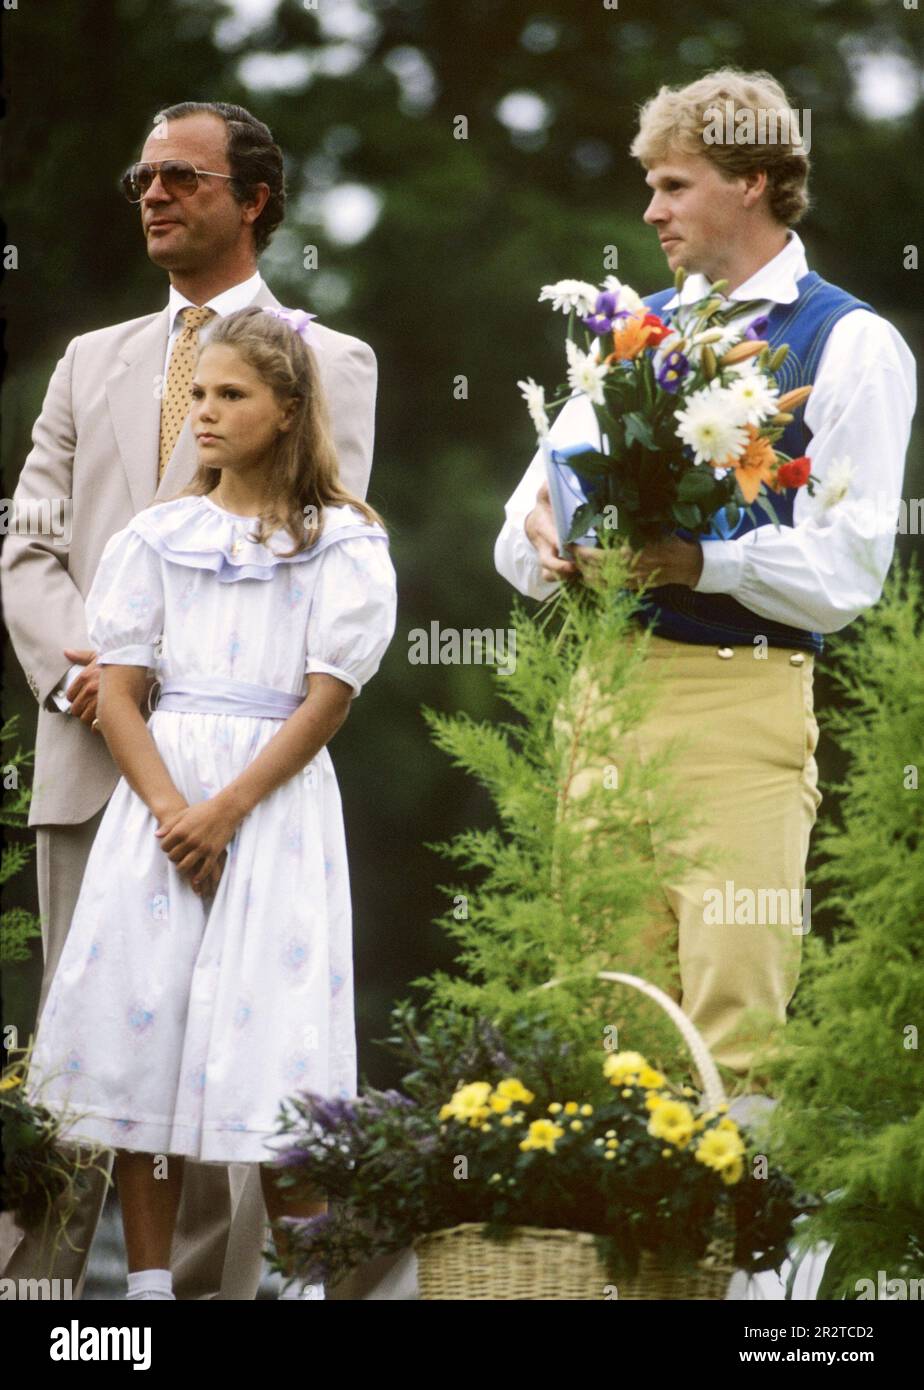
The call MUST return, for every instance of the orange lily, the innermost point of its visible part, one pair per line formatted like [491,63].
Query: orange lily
[755,466]
[632,336]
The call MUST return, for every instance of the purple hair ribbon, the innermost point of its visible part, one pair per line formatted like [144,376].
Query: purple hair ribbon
[298,320]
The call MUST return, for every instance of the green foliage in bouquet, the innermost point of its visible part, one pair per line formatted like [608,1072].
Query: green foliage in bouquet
[482,1131]
[17,926]
[850,1074]
[566,876]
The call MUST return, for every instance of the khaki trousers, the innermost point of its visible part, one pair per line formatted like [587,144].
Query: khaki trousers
[221,1224]
[747,764]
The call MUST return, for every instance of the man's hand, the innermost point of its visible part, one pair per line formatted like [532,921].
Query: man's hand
[677,561]
[542,534]
[83,692]
[671,561]
[195,837]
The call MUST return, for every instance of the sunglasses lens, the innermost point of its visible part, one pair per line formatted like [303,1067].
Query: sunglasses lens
[135,182]
[178,178]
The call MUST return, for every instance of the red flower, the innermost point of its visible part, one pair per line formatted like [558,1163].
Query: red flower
[795,473]
[659,329]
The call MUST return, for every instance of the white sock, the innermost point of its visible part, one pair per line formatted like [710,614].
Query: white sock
[298,1288]
[151,1283]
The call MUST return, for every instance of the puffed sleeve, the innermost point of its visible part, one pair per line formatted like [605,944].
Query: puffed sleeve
[353,610]
[125,605]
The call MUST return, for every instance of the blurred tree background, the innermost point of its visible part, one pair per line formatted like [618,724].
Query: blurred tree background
[432,248]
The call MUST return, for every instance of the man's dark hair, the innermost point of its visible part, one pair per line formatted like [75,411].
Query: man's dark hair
[253,157]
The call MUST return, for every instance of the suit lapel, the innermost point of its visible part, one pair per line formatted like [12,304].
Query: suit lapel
[134,404]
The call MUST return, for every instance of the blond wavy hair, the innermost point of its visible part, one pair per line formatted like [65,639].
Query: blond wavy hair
[302,471]
[674,121]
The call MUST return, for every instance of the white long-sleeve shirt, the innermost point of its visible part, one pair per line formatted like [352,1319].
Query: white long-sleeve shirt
[228,302]
[831,564]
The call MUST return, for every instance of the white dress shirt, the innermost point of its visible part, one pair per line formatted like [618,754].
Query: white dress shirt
[237,297]
[825,569]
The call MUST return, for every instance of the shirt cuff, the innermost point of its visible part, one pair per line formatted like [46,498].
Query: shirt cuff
[723,562]
[59,695]
[527,567]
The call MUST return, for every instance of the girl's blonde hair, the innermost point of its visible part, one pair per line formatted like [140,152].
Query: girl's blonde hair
[674,120]
[302,472]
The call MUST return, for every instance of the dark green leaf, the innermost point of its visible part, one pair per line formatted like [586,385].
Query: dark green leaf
[687,514]
[586,516]
[696,486]
[638,429]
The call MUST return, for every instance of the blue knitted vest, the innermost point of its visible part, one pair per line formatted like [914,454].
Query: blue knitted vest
[678,612]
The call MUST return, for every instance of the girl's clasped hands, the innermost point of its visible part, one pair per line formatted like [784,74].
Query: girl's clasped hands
[194,838]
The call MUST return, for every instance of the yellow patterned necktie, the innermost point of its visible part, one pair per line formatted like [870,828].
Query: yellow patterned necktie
[176,399]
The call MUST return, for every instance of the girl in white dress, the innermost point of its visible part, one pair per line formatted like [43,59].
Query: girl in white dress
[207,973]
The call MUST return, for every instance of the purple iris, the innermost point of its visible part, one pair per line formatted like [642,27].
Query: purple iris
[605,313]
[673,370]
[758,328]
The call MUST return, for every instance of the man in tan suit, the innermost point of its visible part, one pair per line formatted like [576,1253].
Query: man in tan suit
[100,440]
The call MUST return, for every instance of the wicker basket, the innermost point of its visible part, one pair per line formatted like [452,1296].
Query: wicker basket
[461,1263]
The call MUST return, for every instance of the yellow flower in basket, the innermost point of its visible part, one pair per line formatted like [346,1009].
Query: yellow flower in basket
[542,1135]
[733,1173]
[722,1150]
[649,1078]
[9,1082]
[621,1067]
[508,1091]
[672,1121]
[469,1103]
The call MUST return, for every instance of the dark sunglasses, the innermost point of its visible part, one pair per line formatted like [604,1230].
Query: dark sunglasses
[179,178]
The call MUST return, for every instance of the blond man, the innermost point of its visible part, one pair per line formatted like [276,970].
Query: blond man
[739,617]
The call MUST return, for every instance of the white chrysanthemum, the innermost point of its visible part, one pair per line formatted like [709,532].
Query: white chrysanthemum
[836,483]
[628,299]
[584,374]
[534,395]
[755,396]
[709,425]
[730,336]
[571,294]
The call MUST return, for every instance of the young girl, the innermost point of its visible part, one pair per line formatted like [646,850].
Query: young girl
[207,973]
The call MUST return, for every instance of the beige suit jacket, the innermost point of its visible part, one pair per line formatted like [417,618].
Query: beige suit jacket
[96,442]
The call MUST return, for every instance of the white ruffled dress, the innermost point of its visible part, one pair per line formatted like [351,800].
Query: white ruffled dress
[176,1024]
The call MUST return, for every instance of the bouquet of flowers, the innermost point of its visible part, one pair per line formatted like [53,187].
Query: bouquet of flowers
[631,1159]
[689,413]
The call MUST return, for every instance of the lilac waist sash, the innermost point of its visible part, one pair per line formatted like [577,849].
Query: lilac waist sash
[218,695]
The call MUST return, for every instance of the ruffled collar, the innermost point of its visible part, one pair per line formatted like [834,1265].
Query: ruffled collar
[197,533]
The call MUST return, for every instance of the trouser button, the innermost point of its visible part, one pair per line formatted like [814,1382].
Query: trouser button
[797,659]
[726,653]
